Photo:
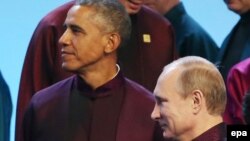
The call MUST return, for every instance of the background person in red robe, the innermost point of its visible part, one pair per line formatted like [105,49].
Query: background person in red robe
[98,103]
[238,83]
[150,48]
[190,100]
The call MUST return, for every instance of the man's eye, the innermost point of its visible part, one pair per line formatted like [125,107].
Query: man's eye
[75,30]
[161,101]
[158,101]
[64,27]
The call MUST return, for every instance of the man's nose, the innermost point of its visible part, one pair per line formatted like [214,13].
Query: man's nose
[155,115]
[65,38]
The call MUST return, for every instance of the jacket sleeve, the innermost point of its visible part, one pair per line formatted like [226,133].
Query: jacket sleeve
[235,93]
[28,124]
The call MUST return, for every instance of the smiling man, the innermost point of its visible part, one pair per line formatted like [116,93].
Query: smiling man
[190,99]
[132,6]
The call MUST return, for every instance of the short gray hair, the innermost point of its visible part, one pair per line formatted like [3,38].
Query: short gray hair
[112,15]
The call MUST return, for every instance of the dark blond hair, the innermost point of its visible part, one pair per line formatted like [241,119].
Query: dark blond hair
[197,73]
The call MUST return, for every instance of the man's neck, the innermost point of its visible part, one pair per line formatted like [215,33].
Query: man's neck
[200,127]
[171,5]
[210,121]
[99,76]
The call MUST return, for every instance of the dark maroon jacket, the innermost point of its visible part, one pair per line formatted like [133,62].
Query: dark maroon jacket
[42,65]
[215,133]
[47,117]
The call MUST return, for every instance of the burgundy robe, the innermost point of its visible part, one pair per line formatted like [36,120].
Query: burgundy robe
[238,83]
[42,65]
[216,133]
[48,116]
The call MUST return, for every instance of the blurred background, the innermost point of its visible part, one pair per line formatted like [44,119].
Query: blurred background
[19,19]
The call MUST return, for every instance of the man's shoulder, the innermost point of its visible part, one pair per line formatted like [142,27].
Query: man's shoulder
[137,90]
[55,90]
[152,16]
[241,67]
[244,63]
[217,132]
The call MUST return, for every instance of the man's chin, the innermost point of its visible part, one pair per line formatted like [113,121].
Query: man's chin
[168,135]
[233,7]
[67,68]
[133,11]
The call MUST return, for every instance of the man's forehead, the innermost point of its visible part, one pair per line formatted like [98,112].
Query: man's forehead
[79,9]
[169,75]
[167,81]
[159,89]
[74,8]
[78,13]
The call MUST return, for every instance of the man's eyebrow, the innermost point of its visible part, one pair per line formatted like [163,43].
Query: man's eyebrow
[159,99]
[75,27]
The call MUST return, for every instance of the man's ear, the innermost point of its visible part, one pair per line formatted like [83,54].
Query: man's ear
[113,42]
[197,101]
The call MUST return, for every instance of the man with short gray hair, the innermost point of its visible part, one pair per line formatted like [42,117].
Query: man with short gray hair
[190,100]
